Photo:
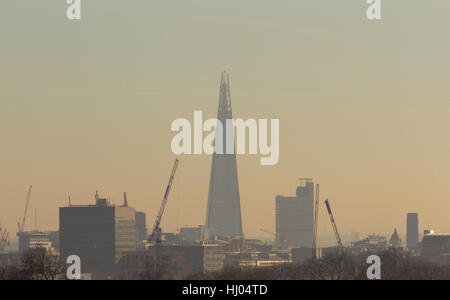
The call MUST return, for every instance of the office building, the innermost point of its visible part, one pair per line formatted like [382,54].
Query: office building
[294,217]
[34,239]
[141,230]
[192,234]
[99,234]
[436,247]
[412,231]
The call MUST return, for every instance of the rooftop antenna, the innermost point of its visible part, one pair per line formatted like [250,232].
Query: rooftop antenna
[70,203]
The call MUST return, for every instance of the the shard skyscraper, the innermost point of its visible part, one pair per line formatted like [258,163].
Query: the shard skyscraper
[223,215]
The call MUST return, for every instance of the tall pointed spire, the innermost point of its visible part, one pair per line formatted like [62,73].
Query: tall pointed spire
[223,215]
[224,99]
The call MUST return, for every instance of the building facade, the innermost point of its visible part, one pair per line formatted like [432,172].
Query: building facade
[436,247]
[99,234]
[412,231]
[294,217]
[141,230]
[34,239]
[172,261]
[192,234]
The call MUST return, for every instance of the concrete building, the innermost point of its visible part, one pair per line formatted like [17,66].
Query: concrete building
[436,247]
[254,259]
[395,241]
[223,213]
[262,263]
[294,217]
[192,234]
[99,234]
[372,243]
[412,231]
[34,239]
[141,230]
[300,255]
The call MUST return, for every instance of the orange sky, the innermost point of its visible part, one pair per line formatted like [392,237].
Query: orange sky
[363,106]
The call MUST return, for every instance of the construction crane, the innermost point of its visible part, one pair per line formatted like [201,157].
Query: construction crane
[4,238]
[155,237]
[316,221]
[333,223]
[21,225]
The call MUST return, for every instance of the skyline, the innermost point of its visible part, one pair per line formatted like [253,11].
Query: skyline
[88,107]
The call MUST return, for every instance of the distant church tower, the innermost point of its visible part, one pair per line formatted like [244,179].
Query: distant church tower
[223,215]
[395,241]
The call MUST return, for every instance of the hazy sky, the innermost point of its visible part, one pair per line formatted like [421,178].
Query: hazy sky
[363,106]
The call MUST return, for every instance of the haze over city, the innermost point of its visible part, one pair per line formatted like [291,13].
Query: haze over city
[363,107]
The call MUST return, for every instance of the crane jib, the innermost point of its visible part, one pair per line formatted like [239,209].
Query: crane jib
[167,191]
[155,237]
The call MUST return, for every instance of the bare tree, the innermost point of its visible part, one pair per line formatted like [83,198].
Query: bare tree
[40,264]
[333,266]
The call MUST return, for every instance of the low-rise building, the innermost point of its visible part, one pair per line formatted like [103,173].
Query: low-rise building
[192,234]
[372,243]
[436,247]
[34,239]
[172,261]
